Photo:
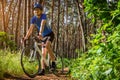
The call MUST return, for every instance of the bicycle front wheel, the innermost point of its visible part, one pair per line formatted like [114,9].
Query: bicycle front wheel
[30,61]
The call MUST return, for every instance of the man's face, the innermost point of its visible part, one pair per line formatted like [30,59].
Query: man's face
[37,12]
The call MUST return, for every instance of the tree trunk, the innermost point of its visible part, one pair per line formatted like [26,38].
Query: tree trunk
[81,26]
[52,12]
[17,24]
[24,17]
[66,25]
[13,19]
[3,14]
[57,47]
[7,15]
[28,14]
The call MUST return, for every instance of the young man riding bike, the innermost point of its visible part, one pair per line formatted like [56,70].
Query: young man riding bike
[39,21]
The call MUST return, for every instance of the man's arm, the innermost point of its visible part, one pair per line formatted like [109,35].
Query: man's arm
[29,31]
[42,26]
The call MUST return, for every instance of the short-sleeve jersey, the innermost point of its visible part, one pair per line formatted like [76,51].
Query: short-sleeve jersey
[37,22]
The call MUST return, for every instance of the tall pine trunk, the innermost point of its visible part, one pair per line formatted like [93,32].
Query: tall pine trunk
[81,26]
[3,14]
[17,24]
[24,17]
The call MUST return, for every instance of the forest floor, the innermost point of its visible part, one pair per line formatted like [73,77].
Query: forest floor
[51,76]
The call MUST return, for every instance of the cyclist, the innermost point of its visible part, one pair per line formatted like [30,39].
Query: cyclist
[39,20]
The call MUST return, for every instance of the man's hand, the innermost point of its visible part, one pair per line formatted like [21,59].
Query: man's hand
[23,40]
[40,36]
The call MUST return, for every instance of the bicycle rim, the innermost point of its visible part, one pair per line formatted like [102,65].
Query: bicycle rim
[30,62]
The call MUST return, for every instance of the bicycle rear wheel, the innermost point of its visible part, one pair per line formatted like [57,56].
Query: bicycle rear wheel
[30,61]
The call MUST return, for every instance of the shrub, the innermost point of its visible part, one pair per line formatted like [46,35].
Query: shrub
[6,42]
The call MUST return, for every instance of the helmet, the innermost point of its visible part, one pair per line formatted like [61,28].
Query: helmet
[37,5]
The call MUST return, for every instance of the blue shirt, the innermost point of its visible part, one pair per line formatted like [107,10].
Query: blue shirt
[37,22]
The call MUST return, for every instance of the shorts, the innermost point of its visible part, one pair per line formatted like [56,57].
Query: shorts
[51,36]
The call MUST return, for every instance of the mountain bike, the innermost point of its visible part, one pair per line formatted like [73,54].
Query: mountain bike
[31,56]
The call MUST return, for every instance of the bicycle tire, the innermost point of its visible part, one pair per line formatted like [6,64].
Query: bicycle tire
[30,68]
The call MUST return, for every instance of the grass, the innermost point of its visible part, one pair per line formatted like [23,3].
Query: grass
[10,63]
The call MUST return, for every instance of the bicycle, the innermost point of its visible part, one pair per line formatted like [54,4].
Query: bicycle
[31,56]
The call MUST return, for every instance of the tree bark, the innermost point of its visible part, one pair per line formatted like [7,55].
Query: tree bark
[7,15]
[52,12]
[3,14]
[81,26]
[17,24]
[57,47]
[24,17]
[13,19]
[28,14]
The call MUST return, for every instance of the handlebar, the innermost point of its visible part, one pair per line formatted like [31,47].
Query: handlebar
[37,39]
[40,40]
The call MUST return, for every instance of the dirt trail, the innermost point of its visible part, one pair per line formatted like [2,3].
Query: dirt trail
[50,77]
[45,77]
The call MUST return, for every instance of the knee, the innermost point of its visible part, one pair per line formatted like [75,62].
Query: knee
[47,44]
[43,53]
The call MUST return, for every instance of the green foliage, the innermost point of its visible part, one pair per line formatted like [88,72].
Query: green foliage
[102,60]
[4,38]
[10,63]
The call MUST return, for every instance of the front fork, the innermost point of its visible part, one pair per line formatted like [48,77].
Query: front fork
[33,53]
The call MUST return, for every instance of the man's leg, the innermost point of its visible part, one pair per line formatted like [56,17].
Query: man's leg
[44,52]
[50,51]
[52,56]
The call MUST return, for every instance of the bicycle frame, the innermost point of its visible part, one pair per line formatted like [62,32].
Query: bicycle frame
[36,48]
